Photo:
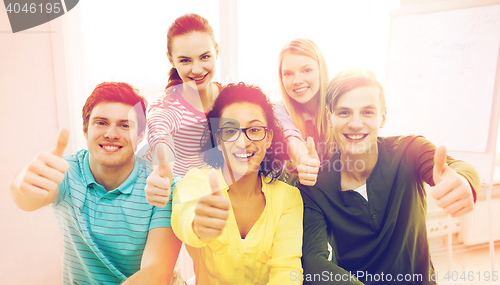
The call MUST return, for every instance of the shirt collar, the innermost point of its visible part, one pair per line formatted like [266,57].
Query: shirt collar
[125,188]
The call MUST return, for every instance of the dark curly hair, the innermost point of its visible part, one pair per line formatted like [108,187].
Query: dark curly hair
[272,164]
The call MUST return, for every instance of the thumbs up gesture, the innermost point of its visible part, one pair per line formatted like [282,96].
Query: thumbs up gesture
[158,182]
[309,164]
[212,210]
[37,183]
[452,191]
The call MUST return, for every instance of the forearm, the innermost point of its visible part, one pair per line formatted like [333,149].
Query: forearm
[158,259]
[296,148]
[24,202]
[318,270]
[150,275]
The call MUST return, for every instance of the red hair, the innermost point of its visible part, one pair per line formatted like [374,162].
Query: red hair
[182,26]
[119,92]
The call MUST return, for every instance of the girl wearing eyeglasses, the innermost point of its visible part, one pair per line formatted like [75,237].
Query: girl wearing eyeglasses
[239,224]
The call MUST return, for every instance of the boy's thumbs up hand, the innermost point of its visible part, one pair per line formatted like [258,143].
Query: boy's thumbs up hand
[451,190]
[45,172]
[212,210]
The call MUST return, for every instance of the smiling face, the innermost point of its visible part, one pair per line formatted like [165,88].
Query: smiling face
[356,120]
[301,78]
[243,155]
[112,135]
[194,56]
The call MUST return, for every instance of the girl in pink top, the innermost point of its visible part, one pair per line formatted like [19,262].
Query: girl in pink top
[176,120]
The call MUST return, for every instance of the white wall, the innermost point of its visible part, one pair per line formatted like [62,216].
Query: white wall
[31,113]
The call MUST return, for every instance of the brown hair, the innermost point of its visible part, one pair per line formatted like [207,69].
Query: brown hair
[348,80]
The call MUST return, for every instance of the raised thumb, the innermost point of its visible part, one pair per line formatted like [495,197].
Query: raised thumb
[213,180]
[62,142]
[439,164]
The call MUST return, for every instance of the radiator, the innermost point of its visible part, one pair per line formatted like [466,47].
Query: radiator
[476,225]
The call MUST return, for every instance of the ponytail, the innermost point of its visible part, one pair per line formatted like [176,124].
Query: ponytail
[173,78]
[174,85]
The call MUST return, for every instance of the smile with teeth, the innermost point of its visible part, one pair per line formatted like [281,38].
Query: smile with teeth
[198,78]
[356,137]
[243,155]
[299,90]
[110,147]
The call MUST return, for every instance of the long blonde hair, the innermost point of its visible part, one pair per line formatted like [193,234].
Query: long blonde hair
[305,47]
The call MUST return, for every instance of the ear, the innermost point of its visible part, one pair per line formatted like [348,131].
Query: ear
[329,117]
[170,59]
[219,142]
[140,137]
[384,117]
[85,133]
[216,51]
[269,139]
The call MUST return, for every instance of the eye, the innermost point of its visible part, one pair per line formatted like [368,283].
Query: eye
[205,57]
[254,130]
[285,74]
[230,131]
[368,113]
[184,60]
[126,126]
[100,123]
[343,113]
[307,70]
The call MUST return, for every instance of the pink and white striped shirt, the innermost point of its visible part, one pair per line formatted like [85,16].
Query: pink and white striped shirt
[180,126]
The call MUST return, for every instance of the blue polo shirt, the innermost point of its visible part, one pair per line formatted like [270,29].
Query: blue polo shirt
[104,233]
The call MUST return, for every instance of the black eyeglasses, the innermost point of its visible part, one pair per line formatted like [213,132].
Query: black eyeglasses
[229,134]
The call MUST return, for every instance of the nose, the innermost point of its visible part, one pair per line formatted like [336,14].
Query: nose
[356,123]
[111,133]
[297,80]
[242,141]
[197,68]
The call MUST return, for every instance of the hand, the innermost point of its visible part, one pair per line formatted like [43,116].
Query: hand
[212,211]
[45,172]
[309,165]
[452,191]
[159,180]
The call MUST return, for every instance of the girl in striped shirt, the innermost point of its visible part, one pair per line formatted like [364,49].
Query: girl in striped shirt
[176,120]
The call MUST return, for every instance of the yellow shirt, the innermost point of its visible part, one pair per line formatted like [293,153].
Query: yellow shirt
[271,251]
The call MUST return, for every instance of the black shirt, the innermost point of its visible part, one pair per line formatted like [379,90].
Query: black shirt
[385,236]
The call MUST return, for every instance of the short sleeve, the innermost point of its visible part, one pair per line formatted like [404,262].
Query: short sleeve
[64,185]
[62,190]
[289,130]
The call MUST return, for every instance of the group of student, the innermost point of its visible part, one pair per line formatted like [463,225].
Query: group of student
[214,178]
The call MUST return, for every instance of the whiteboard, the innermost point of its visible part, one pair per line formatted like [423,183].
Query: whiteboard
[441,76]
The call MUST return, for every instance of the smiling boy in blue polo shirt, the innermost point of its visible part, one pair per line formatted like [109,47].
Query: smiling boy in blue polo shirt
[111,234]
